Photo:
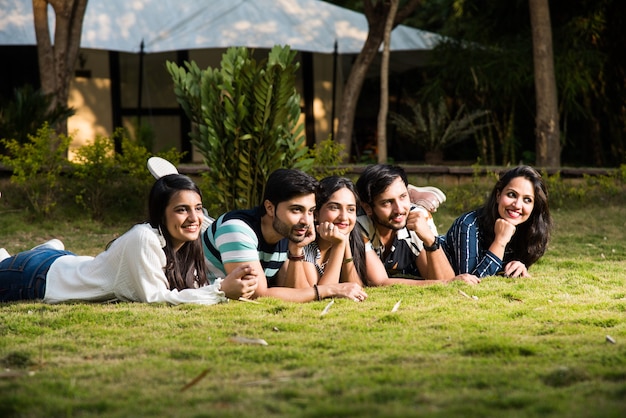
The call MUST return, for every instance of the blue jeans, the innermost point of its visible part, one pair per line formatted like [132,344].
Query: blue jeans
[23,276]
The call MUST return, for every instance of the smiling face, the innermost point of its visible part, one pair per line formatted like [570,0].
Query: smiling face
[391,208]
[516,201]
[293,218]
[340,210]
[183,217]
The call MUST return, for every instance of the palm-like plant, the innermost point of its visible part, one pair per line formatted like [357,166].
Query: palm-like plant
[433,128]
[27,112]
[246,118]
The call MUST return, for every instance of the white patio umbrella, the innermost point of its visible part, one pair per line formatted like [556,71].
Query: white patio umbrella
[168,25]
[152,26]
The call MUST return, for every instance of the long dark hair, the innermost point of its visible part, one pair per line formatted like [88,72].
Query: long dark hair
[185,268]
[531,237]
[326,188]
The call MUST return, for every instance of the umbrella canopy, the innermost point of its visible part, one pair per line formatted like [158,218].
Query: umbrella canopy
[169,25]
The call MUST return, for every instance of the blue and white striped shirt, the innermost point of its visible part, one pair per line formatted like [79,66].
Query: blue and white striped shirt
[466,252]
[236,237]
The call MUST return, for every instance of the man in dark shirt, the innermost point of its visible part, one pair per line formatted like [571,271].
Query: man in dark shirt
[402,233]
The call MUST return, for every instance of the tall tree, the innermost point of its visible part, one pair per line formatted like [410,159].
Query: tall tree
[376,13]
[384,86]
[57,59]
[547,131]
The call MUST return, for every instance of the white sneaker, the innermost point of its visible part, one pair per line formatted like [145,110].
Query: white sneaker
[53,244]
[160,167]
[4,254]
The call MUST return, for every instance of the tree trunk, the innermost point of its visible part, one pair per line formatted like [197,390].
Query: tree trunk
[547,131]
[352,90]
[384,86]
[376,15]
[57,60]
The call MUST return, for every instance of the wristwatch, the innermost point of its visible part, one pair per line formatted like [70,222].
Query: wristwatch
[436,245]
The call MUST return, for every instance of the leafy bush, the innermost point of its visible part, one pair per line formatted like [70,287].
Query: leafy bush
[590,191]
[37,165]
[433,128]
[326,157]
[28,111]
[95,173]
[471,195]
[102,184]
[108,184]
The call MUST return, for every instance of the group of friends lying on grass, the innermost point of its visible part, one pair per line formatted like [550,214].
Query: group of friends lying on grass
[308,240]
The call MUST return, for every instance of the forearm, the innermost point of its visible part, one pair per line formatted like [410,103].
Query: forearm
[297,272]
[333,268]
[497,248]
[318,292]
[488,265]
[348,269]
[298,275]
[438,267]
[290,295]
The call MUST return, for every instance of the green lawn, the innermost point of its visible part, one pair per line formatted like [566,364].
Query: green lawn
[505,348]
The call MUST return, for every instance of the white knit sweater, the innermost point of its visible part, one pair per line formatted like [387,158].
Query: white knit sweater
[131,269]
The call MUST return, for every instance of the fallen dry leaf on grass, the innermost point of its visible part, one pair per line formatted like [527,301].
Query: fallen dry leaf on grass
[396,306]
[13,374]
[244,340]
[242,299]
[195,380]
[327,308]
[473,297]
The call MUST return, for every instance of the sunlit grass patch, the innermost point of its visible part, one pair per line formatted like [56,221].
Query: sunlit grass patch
[508,347]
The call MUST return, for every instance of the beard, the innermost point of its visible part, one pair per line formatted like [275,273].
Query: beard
[288,231]
[386,223]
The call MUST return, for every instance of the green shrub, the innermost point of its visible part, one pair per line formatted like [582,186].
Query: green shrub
[109,185]
[471,195]
[96,173]
[102,184]
[28,111]
[37,165]
[433,127]
[593,190]
[326,157]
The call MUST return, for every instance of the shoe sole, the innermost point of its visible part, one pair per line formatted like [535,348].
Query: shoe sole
[53,244]
[437,192]
[4,254]
[160,167]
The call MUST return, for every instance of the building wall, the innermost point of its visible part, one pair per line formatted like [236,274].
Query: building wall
[90,95]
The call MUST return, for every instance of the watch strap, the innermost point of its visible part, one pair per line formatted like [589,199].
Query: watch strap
[436,245]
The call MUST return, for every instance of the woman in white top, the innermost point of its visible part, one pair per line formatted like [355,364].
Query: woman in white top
[158,261]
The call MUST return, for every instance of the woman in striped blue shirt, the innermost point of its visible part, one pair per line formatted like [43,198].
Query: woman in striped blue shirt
[506,235]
